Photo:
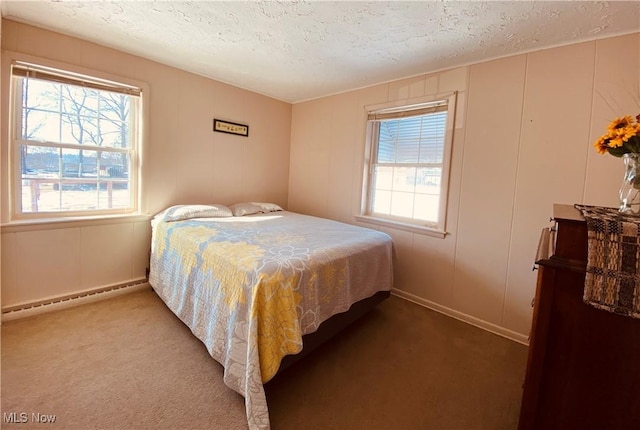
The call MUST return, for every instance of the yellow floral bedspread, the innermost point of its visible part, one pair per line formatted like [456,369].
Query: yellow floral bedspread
[250,287]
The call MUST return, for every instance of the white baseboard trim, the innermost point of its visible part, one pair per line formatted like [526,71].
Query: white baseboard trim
[94,295]
[80,298]
[490,327]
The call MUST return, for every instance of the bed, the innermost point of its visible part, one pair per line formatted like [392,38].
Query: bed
[254,283]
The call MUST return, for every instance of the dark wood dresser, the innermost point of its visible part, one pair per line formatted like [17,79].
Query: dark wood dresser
[583,369]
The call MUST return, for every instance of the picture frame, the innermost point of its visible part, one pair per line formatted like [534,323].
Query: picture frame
[228,127]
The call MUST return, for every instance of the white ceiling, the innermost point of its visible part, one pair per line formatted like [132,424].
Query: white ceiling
[300,50]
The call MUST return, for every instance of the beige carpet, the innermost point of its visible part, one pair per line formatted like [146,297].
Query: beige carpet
[128,363]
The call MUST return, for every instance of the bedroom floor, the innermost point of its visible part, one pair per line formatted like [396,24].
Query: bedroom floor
[128,363]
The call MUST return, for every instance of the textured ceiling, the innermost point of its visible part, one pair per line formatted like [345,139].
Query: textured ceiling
[300,50]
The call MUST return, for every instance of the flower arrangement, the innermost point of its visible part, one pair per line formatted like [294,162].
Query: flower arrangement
[622,137]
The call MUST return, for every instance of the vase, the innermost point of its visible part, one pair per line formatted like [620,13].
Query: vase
[630,188]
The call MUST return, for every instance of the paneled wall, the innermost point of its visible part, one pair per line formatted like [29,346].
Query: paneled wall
[183,161]
[523,139]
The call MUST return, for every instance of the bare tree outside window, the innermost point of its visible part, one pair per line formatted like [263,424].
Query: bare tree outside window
[75,145]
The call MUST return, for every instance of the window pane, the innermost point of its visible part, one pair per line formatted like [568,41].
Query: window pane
[41,194]
[78,197]
[89,162]
[42,126]
[427,178]
[404,179]
[79,101]
[114,165]
[114,134]
[41,162]
[383,178]
[79,129]
[40,174]
[42,95]
[114,194]
[402,204]
[381,202]
[426,207]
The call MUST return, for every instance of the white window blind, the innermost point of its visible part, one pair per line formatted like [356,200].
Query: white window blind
[408,170]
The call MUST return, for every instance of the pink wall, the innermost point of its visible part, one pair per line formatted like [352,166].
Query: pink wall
[523,135]
[522,142]
[184,161]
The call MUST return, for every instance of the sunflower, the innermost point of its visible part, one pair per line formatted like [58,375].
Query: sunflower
[616,142]
[620,123]
[629,132]
[601,145]
[623,136]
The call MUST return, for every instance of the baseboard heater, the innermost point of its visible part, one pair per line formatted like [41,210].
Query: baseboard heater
[57,303]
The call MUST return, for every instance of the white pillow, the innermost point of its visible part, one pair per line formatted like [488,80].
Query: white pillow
[242,209]
[182,212]
[268,207]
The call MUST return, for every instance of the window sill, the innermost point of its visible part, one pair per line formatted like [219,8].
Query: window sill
[427,231]
[70,222]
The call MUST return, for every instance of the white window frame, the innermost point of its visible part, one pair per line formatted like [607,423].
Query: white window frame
[399,109]
[77,76]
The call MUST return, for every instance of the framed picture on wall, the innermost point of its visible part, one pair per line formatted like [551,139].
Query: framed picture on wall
[230,127]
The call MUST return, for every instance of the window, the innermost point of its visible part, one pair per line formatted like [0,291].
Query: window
[409,150]
[75,142]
